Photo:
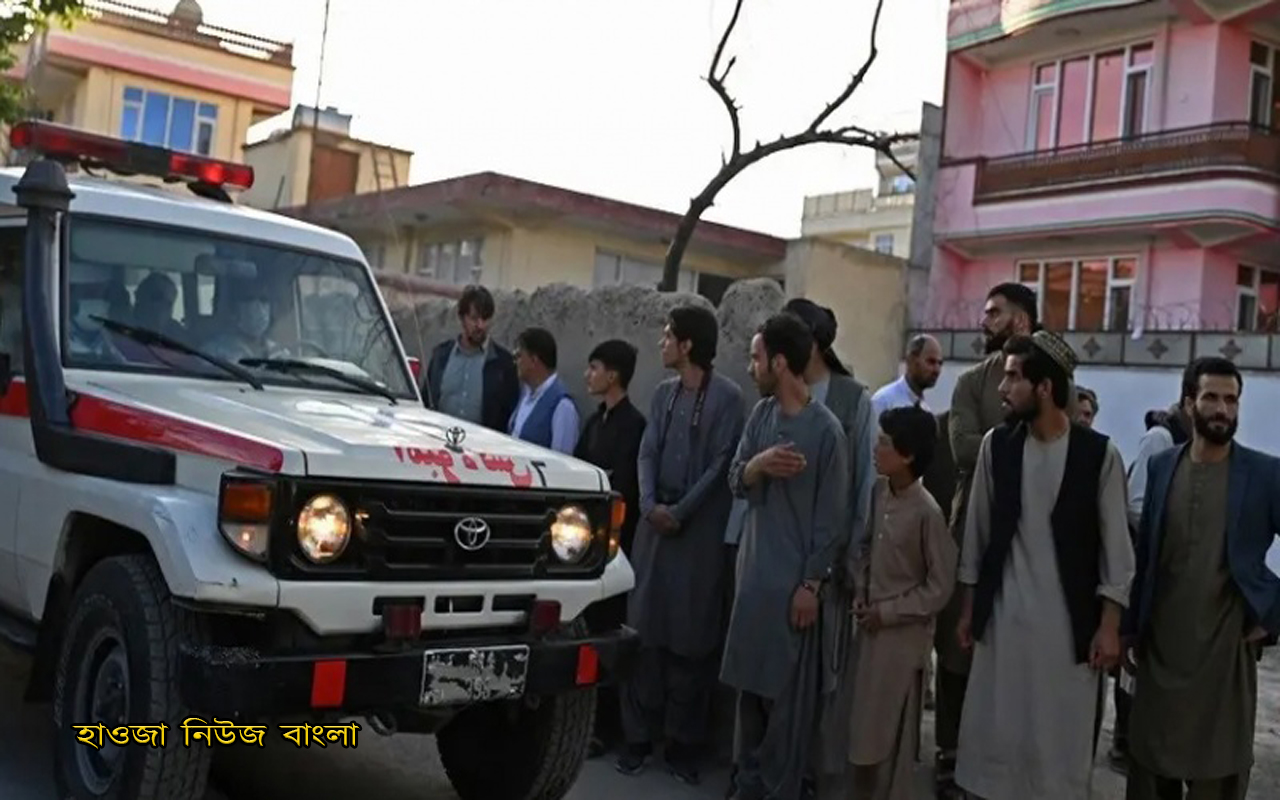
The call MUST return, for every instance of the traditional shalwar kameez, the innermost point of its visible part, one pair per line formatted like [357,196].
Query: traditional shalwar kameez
[907,572]
[793,530]
[1197,682]
[677,605]
[1027,726]
[850,401]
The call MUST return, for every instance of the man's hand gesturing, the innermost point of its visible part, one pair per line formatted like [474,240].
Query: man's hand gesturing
[780,461]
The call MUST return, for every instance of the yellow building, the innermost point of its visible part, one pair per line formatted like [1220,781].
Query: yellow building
[517,234]
[315,158]
[875,219]
[164,79]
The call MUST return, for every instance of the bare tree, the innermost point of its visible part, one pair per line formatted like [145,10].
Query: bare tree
[738,161]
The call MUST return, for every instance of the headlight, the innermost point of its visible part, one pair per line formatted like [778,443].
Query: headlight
[324,528]
[571,534]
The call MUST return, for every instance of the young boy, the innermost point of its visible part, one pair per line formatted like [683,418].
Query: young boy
[906,573]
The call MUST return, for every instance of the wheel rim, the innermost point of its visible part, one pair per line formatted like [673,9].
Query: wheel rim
[102,696]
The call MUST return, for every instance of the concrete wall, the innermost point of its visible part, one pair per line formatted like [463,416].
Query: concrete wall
[922,224]
[580,320]
[867,292]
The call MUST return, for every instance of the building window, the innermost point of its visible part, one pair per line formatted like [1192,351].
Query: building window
[1090,98]
[457,262]
[884,243]
[1086,294]
[1257,299]
[1264,94]
[178,123]
[612,269]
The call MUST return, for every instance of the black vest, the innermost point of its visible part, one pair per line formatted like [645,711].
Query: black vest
[1077,535]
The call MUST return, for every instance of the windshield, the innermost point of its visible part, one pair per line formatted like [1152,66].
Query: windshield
[226,298]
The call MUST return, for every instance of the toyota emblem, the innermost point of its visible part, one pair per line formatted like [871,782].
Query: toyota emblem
[471,534]
[453,437]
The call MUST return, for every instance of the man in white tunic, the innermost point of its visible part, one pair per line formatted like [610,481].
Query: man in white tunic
[1045,570]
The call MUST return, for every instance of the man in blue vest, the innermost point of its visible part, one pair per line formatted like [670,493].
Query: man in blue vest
[546,415]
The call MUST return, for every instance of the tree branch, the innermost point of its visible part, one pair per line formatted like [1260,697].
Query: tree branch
[738,161]
[858,76]
[716,79]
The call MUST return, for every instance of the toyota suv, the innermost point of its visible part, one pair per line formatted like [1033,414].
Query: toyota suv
[224,504]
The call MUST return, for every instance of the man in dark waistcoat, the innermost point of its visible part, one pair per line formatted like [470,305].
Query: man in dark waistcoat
[1045,571]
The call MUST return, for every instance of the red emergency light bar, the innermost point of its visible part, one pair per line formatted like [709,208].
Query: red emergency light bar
[61,143]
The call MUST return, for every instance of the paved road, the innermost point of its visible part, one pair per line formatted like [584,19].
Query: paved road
[407,766]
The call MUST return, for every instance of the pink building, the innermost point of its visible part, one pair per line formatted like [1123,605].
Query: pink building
[1122,157]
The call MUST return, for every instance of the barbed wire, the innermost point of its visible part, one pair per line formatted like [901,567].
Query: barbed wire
[1220,316]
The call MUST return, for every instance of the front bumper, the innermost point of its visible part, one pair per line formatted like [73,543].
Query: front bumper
[244,683]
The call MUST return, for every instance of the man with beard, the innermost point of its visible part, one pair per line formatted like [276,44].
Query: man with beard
[1204,601]
[472,377]
[792,469]
[1045,570]
[678,605]
[1164,430]
[834,386]
[923,366]
[975,409]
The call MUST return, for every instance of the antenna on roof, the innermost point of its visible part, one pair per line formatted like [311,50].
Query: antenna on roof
[315,111]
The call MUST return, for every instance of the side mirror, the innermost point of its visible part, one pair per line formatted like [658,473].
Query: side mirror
[415,367]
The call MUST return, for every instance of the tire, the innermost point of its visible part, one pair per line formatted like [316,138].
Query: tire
[507,751]
[123,628]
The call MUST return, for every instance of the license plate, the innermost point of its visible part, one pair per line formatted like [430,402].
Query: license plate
[473,675]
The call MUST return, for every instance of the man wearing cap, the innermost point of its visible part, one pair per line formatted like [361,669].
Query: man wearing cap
[1044,572]
[975,409]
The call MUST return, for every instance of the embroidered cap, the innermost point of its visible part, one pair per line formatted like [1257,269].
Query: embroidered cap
[1055,347]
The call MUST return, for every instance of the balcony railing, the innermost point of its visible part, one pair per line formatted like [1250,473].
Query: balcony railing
[146,20]
[1153,348]
[1234,148]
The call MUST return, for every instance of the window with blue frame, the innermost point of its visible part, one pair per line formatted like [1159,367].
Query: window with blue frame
[163,120]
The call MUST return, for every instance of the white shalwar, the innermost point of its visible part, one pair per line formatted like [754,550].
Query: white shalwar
[1027,728]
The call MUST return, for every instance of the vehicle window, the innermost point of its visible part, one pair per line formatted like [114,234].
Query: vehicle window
[227,298]
[12,243]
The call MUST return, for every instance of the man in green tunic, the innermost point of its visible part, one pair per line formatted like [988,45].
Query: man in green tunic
[1204,601]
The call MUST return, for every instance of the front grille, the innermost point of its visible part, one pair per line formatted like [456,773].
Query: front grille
[407,532]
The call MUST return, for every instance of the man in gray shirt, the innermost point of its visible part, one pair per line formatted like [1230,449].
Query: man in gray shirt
[678,605]
[472,377]
[792,468]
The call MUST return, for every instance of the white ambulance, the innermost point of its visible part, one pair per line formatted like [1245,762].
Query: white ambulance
[222,502]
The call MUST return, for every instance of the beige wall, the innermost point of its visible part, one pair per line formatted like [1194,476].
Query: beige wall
[528,257]
[287,161]
[867,292]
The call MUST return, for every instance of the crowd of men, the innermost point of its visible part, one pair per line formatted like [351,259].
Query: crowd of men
[799,554]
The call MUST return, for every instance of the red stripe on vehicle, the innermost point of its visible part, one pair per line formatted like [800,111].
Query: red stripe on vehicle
[108,418]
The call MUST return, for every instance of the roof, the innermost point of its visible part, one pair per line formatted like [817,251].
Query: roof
[324,137]
[490,191]
[153,204]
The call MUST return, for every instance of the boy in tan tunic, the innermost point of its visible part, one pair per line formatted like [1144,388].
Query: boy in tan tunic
[906,576]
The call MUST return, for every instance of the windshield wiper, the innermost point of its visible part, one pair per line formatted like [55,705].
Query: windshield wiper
[297,365]
[147,336]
